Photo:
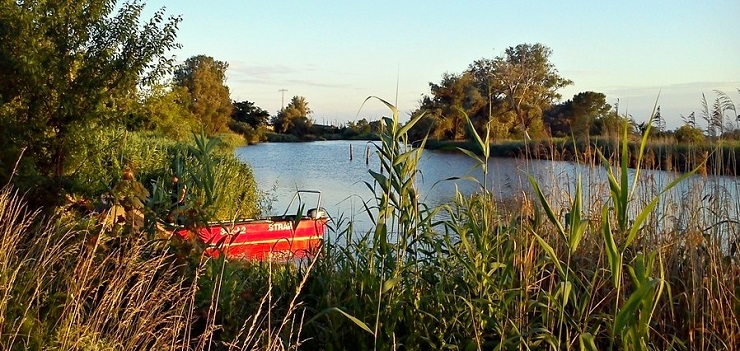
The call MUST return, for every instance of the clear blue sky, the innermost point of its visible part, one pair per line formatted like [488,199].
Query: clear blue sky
[337,53]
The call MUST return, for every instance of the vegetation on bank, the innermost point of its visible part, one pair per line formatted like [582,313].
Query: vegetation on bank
[612,274]
[715,158]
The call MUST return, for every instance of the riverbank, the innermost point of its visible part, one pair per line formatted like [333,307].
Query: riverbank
[716,159]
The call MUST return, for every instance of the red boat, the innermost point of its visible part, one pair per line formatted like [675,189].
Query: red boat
[274,237]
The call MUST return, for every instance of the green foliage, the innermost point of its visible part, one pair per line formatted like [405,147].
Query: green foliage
[362,129]
[246,112]
[293,119]
[167,112]
[611,126]
[689,135]
[587,107]
[529,82]
[209,101]
[67,69]
[475,273]
[506,94]
[454,97]
[577,117]
[208,168]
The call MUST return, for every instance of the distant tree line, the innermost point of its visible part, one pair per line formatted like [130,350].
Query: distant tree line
[515,96]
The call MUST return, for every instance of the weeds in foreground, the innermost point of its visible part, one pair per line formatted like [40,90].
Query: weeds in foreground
[484,278]
[83,287]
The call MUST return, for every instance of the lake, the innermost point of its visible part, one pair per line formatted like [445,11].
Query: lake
[282,168]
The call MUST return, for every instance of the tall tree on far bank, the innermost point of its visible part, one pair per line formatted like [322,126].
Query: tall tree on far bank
[247,112]
[67,68]
[454,98]
[577,116]
[507,94]
[205,80]
[293,119]
[527,83]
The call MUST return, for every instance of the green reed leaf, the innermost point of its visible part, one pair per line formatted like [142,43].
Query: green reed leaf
[643,144]
[410,124]
[577,227]
[642,216]
[613,256]
[550,252]
[390,283]
[567,290]
[548,209]
[483,146]
[587,343]
[352,318]
[626,315]
[471,154]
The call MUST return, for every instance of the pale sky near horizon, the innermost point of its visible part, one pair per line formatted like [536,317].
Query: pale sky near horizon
[337,53]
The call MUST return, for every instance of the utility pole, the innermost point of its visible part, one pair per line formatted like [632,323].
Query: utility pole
[283,98]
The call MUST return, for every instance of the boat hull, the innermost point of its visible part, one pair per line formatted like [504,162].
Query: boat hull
[276,238]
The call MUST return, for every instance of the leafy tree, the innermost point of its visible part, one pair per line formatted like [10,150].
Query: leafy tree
[507,94]
[428,123]
[527,82]
[612,125]
[246,112]
[444,113]
[588,106]
[205,80]
[67,68]
[166,112]
[689,134]
[293,119]
[360,127]
[456,96]
[559,118]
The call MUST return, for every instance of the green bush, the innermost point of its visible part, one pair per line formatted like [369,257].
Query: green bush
[282,138]
[154,160]
[251,135]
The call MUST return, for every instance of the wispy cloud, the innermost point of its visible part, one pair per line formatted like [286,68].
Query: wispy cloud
[318,84]
[246,73]
[279,74]
[678,88]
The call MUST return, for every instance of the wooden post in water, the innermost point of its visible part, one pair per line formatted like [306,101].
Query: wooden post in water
[350,152]
[367,155]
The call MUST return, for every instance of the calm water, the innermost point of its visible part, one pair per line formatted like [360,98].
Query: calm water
[281,168]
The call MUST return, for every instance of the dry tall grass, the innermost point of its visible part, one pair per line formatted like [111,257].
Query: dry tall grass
[75,288]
